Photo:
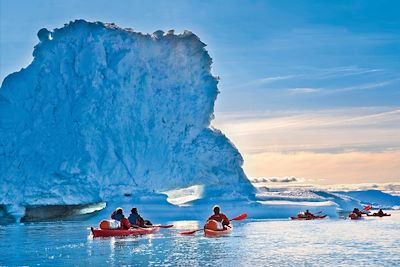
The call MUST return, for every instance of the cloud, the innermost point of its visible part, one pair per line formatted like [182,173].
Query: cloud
[353,129]
[327,168]
[287,179]
[263,81]
[303,90]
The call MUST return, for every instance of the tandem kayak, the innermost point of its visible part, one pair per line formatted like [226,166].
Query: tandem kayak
[308,218]
[216,233]
[97,232]
[354,216]
[377,215]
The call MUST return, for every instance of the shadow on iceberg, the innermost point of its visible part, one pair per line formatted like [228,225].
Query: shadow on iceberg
[41,213]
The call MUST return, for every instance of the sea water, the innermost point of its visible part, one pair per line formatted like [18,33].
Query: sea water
[330,242]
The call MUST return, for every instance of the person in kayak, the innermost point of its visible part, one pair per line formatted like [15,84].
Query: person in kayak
[308,214]
[136,220]
[218,220]
[357,212]
[380,213]
[118,215]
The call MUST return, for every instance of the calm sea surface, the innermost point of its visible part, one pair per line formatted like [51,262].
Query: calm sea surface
[370,242]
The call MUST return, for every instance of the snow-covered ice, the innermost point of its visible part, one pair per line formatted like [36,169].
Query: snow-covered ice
[103,111]
[105,116]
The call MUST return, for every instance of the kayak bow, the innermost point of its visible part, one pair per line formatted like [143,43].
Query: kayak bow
[97,232]
[216,233]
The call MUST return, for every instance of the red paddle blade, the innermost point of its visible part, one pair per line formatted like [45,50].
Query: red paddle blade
[164,226]
[188,232]
[240,217]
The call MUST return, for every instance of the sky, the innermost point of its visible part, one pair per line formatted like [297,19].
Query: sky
[309,89]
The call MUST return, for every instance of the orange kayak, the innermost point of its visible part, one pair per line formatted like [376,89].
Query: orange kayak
[216,233]
[97,232]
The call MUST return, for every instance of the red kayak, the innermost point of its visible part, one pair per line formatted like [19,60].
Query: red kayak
[97,232]
[354,216]
[377,215]
[315,217]
[216,233]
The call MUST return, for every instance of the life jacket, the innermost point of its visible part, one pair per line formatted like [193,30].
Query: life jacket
[125,224]
[220,218]
[214,225]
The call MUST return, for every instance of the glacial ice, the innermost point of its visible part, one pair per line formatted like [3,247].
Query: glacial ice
[103,112]
[110,115]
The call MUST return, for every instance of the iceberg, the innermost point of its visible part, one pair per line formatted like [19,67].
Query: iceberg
[104,113]
[106,117]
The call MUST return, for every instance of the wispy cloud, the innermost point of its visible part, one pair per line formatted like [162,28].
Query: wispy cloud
[294,91]
[355,129]
[263,81]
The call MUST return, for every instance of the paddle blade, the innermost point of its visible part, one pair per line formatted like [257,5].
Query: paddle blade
[368,207]
[164,226]
[240,217]
[188,232]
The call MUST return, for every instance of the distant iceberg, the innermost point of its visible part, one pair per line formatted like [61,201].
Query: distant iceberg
[104,112]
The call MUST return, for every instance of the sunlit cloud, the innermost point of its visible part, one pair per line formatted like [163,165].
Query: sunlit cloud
[326,146]
[327,168]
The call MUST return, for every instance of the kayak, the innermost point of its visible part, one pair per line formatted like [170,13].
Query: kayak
[97,232]
[377,215]
[216,233]
[308,218]
[354,216]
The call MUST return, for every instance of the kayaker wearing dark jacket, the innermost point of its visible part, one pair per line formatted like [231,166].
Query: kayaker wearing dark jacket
[358,212]
[219,217]
[135,219]
[381,213]
[308,214]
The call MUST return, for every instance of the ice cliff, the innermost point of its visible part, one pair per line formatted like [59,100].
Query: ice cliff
[103,111]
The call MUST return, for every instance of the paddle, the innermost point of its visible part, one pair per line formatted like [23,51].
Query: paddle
[164,226]
[238,218]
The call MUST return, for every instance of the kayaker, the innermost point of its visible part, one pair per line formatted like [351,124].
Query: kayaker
[136,220]
[308,214]
[219,218]
[118,214]
[357,211]
[381,213]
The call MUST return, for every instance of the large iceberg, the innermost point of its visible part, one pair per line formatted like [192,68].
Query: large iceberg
[103,112]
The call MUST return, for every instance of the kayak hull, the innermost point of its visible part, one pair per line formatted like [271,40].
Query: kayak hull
[96,232]
[376,215]
[216,233]
[354,216]
[309,218]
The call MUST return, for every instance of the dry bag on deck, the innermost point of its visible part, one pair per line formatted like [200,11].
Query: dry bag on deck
[110,224]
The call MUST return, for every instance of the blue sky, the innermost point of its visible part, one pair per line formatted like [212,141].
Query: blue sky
[291,68]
